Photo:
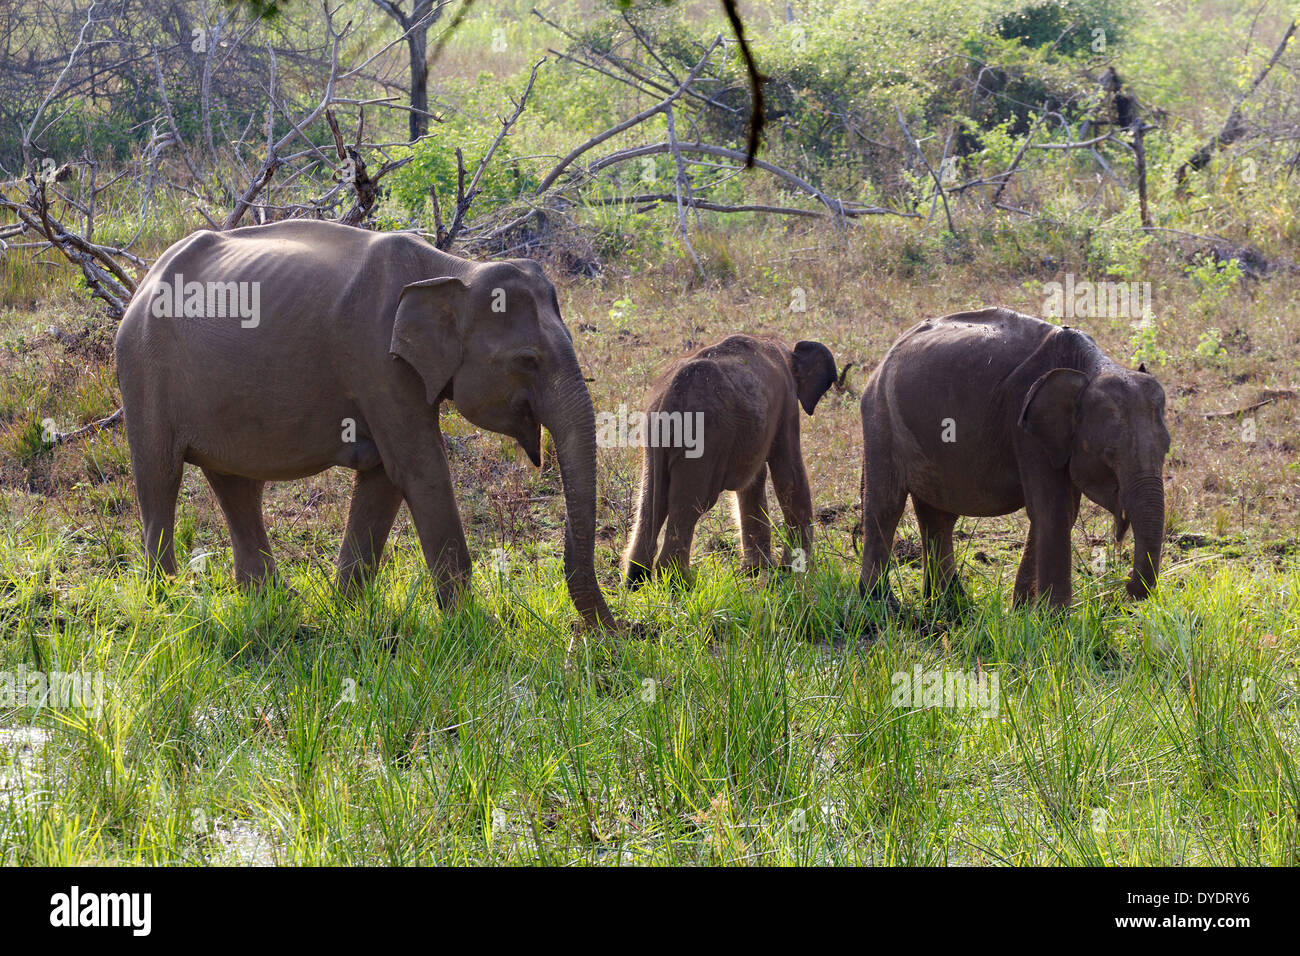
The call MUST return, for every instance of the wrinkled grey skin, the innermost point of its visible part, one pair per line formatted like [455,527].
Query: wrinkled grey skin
[749,391]
[355,327]
[1040,416]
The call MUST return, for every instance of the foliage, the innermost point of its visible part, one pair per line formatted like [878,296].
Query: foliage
[1066,27]
[1215,278]
[1146,344]
[1210,345]
[433,165]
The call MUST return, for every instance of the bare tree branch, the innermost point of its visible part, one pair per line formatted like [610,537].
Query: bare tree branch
[628,123]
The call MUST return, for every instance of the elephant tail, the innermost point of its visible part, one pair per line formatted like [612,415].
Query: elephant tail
[652,511]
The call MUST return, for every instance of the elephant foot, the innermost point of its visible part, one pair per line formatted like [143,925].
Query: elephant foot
[1138,590]
[636,577]
[451,595]
[953,601]
[873,617]
[677,577]
[158,585]
[592,650]
[353,579]
[882,596]
[266,584]
[351,587]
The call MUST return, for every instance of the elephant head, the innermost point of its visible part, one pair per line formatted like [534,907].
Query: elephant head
[492,341]
[1109,430]
[814,372]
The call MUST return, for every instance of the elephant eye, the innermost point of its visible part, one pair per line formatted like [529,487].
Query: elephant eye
[526,360]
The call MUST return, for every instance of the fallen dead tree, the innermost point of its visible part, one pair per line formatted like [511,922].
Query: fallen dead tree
[1265,397]
[55,206]
[575,181]
[1235,126]
[105,268]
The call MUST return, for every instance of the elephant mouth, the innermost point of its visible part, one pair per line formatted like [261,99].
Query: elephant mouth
[1109,499]
[532,445]
[529,434]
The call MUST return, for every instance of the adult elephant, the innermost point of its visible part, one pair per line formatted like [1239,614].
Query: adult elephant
[984,413]
[274,352]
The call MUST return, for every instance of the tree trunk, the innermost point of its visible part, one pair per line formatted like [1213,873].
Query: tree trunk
[415,28]
[417,46]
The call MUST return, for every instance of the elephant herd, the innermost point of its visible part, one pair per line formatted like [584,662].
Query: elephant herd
[354,338]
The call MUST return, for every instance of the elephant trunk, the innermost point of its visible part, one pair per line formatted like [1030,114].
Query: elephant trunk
[571,420]
[1144,505]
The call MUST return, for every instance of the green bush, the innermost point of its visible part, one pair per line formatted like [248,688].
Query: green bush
[434,165]
[1068,27]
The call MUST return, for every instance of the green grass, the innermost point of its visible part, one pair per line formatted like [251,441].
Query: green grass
[747,722]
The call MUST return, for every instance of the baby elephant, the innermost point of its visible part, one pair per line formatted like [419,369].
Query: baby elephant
[984,413]
[742,392]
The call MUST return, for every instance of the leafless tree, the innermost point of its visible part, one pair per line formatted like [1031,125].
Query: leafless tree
[415,25]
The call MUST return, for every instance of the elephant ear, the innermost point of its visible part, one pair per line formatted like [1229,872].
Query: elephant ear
[1050,411]
[425,331]
[814,372]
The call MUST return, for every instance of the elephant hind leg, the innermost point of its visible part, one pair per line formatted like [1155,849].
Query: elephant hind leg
[936,533]
[157,466]
[790,484]
[241,502]
[690,496]
[755,525]
[375,503]
[652,511]
[883,502]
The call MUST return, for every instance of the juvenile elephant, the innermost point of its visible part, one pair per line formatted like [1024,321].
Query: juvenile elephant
[274,352]
[983,413]
[745,394]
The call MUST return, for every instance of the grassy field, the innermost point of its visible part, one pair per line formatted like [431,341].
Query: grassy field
[755,727]
[744,721]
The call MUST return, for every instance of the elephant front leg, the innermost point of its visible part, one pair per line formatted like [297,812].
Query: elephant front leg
[425,483]
[755,527]
[1051,504]
[1052,557]
[790,482]
[375,503]
[1026,589]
